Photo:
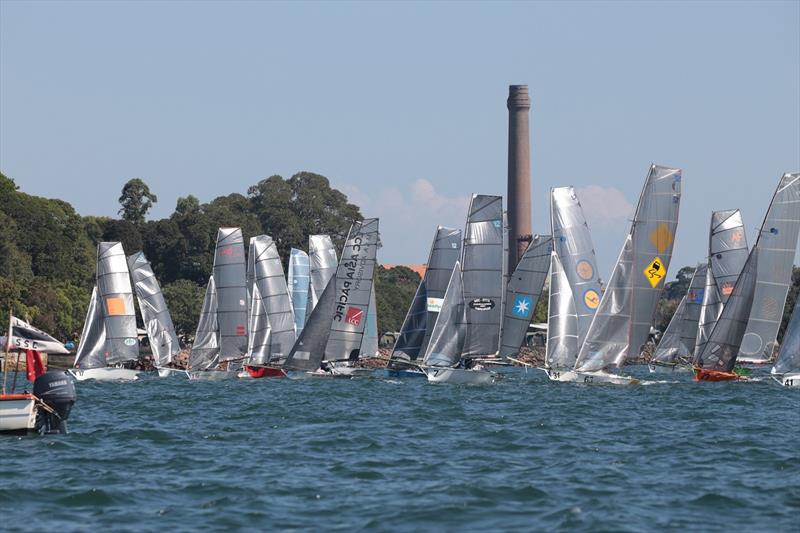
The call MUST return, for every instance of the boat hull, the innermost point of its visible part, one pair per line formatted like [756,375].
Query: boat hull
[105,374]
[599,376]
[17,413]
[257,372]
[395,373]
[789,380]
[668,369]
[702,374]
[460,376]
[319,374]
[211,375]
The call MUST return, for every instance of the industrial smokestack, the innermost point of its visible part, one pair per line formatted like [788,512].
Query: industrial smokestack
[519,174]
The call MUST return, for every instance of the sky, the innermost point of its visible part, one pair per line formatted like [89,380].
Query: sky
[403,105]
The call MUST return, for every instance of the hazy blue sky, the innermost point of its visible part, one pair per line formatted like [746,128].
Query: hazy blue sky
[403,106]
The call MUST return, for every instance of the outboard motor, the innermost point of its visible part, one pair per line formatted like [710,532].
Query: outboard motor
[57,390]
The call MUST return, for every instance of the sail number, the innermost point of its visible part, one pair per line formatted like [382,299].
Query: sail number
[788,383]
[588,379]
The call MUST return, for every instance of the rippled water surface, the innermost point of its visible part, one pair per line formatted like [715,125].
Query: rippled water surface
[523,454]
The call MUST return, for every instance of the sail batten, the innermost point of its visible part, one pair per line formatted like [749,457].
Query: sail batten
[562,320]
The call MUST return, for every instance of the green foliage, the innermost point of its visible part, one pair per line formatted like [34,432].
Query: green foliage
[184,299]
[394,291]
[136,200]
[542,308]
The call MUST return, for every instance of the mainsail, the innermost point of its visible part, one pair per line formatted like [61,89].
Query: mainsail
[562,320]
[572,241]
[230,279]
[777,245]
[335,329]
[482,273]
[205,349]
[789,356]
[268,277]
[522,293]
[258,343]
[370,345]
[322,266]
[298,286]
[157,321]
[719,353]
[418,324]
[622,323]
[678,342]
[109,333]
[447,339]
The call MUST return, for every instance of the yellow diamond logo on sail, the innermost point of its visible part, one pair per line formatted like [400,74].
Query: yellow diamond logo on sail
[655,272]
[662,238]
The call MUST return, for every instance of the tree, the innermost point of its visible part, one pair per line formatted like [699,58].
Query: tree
[136,200]
[394,290]
[184,299]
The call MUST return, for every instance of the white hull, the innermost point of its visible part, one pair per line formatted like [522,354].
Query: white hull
[104,374]
[789,380]
[459,376]
[668,369]
[165,372]
[18,415]
[318,374]
[590,377]
[211,375]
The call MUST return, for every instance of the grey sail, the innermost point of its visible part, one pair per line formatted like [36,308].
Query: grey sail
[271,283]
[322,266]
[157,321]
[114,306]
[258,343]
[728,249]
[298,282]
[671,348]
[622,323]
[205,349]
[678,341]
[91,347]
[562,320]
[447,339]
[309,350]
[522,293]
[353,281]
[421,317]
[482,273]
[719,353]
[370,345]
[710,309]
[230,279]
[777,245]
[572,241]
[789,356]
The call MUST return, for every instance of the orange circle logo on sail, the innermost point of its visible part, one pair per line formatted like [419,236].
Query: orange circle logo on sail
[585,270]
[591,299]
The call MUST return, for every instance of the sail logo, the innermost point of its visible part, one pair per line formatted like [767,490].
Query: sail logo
[523,305]
[662,238]
[241,330]
[585,270]
[655,272]
[591,299]
[726,288]
[228,251]
[435,304]
[115,306]
[354,316]
[482,304]
[695,296]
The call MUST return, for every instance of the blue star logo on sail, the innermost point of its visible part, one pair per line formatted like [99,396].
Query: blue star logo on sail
[522,306]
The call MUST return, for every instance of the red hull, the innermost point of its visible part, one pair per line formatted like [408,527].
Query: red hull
[265,372]
[701,374]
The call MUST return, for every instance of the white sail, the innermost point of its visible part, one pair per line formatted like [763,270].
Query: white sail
[622,323]
[258,343]
[298,283]
[447,339]
[562,320]
[678,341]
[789,357]
[777,245]
[205,349]
[370,345]
[322,267]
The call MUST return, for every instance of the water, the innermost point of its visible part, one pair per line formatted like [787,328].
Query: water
[524,454]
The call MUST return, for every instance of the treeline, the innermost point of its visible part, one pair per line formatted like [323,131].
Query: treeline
[48,251]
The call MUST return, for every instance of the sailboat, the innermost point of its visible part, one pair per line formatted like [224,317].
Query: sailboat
[727,254]
[221,340]
[333,335]
[778,244]
[787,367]
[298,283]
[522,294]
[265,275]
[109,340]
[164,342]
[415,332]
[563,342]
[369,347]
[622,322]
[762,285]
[467,329]
[675,350]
